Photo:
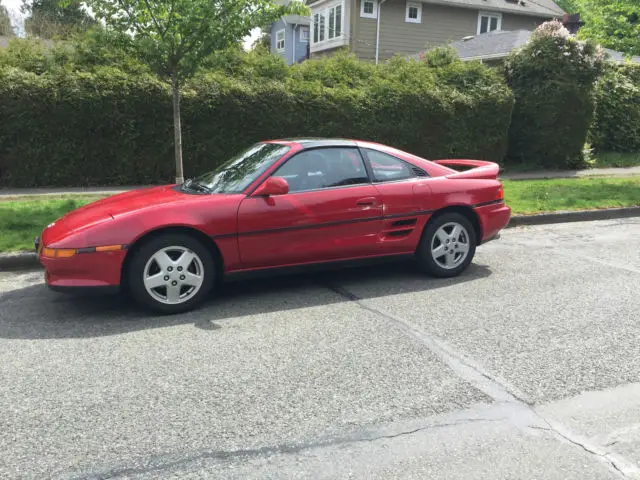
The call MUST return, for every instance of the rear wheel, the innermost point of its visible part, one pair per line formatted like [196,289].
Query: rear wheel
[171,273]
[448,245]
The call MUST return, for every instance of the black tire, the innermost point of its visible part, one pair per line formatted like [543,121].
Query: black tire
[136,273]
[425,257]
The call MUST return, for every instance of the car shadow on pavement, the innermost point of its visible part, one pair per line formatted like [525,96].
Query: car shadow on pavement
[37,313]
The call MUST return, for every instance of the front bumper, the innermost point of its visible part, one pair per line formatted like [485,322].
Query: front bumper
[83,270]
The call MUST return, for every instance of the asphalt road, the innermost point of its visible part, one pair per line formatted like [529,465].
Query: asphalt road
[525,367]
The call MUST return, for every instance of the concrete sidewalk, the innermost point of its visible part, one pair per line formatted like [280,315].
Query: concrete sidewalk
[592,172]
[595,172]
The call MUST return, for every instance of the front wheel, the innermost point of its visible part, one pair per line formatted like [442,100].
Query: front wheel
[448,245]
[171,273]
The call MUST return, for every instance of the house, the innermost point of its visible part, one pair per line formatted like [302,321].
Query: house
[494,47]
[290,37]
[378,29]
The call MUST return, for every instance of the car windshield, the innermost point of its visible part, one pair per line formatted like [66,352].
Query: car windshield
[238,173]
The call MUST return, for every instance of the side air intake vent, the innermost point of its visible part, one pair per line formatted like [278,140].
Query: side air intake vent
[418,172]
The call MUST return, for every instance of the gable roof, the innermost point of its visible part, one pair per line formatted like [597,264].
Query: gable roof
[491,45]
[499,44]
[536,8]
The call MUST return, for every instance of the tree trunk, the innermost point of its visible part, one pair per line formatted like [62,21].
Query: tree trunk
[177,127]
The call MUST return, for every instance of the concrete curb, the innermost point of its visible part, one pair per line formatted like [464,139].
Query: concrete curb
[18,261]
[574,216]
[29,260]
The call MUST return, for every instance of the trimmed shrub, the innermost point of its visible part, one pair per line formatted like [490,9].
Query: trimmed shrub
[552,78]
[106,127]
[616,126]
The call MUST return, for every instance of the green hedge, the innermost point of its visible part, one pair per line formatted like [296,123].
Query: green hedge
[552,78]
[106,127]
[616,127]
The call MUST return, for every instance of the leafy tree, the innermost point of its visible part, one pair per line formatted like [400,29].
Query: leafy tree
[6,30]
[49,19]
[175,36]
[262,44]
[614,24]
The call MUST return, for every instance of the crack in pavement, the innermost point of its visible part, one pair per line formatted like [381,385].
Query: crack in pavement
[161,463]
[496,388]
[622,465]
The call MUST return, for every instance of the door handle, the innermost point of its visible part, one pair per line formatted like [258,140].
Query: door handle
[367,202]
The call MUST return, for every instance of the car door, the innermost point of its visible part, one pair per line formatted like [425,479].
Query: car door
[332,212]
[404,190]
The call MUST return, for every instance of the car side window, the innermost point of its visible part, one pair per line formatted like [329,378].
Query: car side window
[387,168]
[324,168]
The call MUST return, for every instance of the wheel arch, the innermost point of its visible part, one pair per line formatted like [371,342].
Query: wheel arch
[465,210]
[208,242]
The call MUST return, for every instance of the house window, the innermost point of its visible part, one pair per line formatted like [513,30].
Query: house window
[414,13]
[280,40]
[327,24]
[369,8]
[335,21]
[489,22]
[304,35]
[316,27]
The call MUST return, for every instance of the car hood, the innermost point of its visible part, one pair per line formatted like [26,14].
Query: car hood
[120,204]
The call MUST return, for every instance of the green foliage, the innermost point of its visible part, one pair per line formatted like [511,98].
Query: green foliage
[552,78]
[105,126]
[175,36]
[617,121]
[255,65]
[614,24]
[34,55]
[341,69]
[6,29]
[50,19]
[441,56]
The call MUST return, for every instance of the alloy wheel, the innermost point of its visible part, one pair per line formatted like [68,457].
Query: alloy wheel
[450,245]
[173,275]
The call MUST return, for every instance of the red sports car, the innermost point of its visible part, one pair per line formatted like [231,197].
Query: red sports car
[285,203]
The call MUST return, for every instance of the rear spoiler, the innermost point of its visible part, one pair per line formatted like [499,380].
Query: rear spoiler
[480,169]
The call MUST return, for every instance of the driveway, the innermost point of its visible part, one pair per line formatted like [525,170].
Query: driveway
[527,366]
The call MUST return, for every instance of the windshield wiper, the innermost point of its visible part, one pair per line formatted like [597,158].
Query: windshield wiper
[191,185]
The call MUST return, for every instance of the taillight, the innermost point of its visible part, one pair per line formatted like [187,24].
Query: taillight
[500,192]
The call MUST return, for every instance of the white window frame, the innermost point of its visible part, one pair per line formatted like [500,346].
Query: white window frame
[325,14]
[304,34]
[283,40]
[490,15]
[322,8]
[418,6]
[327,23]
[363,14]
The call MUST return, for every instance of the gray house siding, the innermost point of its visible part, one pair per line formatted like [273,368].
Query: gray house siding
[520,22]
[299,44]
[440,24]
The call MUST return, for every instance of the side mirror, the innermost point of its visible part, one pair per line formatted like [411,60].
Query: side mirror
[272,186]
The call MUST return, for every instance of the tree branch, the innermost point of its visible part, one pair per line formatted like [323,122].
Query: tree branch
[153,17]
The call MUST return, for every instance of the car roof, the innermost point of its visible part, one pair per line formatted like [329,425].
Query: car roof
[312,142]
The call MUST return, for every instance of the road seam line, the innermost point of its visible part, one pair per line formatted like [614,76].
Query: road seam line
[497,389]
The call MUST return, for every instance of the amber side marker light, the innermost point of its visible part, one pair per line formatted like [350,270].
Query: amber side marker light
[58,252]
[109,248]
[70,252]
[501,193]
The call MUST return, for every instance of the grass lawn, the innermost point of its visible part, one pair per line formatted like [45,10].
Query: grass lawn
[23,218]
[535,196]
